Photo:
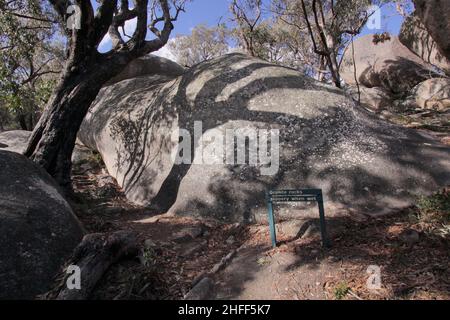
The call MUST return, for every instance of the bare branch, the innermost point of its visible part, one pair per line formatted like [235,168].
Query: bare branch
[115,36]
[103,19]
[163,36]
[141,25]
[310,30]
[24,16]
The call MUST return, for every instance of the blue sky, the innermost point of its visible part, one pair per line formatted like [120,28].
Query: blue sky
[211,12]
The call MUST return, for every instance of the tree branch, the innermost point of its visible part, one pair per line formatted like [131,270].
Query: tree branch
[163,36]
[311,32]
[19,15]
[103,20]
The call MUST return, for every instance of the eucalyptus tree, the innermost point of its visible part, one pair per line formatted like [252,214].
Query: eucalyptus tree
[86,69]
[329,25]
[204,43]
[247,16]
[30,60]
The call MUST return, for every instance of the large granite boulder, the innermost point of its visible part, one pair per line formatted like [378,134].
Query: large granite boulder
[149,65]
[17,141]
[389,65]
[14,140]
[431,94]
[416,38]
[363,164]
[376,99]
[38,230]
[435,15]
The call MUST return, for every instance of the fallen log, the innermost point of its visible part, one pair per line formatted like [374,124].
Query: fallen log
[94,255]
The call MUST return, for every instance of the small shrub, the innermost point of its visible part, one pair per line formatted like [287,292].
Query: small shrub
[435,208]
[96,159]
[148,257]
[341,291]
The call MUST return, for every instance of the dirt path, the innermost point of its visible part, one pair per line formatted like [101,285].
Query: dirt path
[302,269]
[177,252]
[257,274]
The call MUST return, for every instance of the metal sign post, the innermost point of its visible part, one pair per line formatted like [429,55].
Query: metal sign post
[303,195]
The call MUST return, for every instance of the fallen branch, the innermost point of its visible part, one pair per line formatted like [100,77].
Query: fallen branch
[94,255]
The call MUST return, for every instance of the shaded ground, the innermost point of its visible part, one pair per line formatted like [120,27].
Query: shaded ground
[435,122]
[411,252]
[302,269]
[175,250]
[178,251]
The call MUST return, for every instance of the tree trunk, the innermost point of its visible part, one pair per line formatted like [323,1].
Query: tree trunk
[21,118]
[334,70]
[53,139]
[322,66]
[94,255]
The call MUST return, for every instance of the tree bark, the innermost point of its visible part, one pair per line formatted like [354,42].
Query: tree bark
[21,118]
[86,71]
[322,66]
[94,255]
[53,139]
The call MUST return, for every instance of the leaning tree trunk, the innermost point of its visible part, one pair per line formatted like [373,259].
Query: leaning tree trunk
[87,70]
[53,139]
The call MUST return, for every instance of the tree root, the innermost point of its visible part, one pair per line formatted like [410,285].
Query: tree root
[94,255]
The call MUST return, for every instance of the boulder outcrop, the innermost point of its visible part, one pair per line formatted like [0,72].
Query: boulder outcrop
[149,65]
[416,38]
[431,94]
[435,15]
[309,134]
[389,65]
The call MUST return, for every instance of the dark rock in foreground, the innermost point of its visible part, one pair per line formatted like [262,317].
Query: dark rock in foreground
[38,230]
[415,36]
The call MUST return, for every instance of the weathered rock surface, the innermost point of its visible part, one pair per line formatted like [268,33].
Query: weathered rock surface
[201,291]
[435,15]
[149,65]
[38,230]
[416,38]
[376,99]
[432,94]
[363,164]
[388,64]
[16,141]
